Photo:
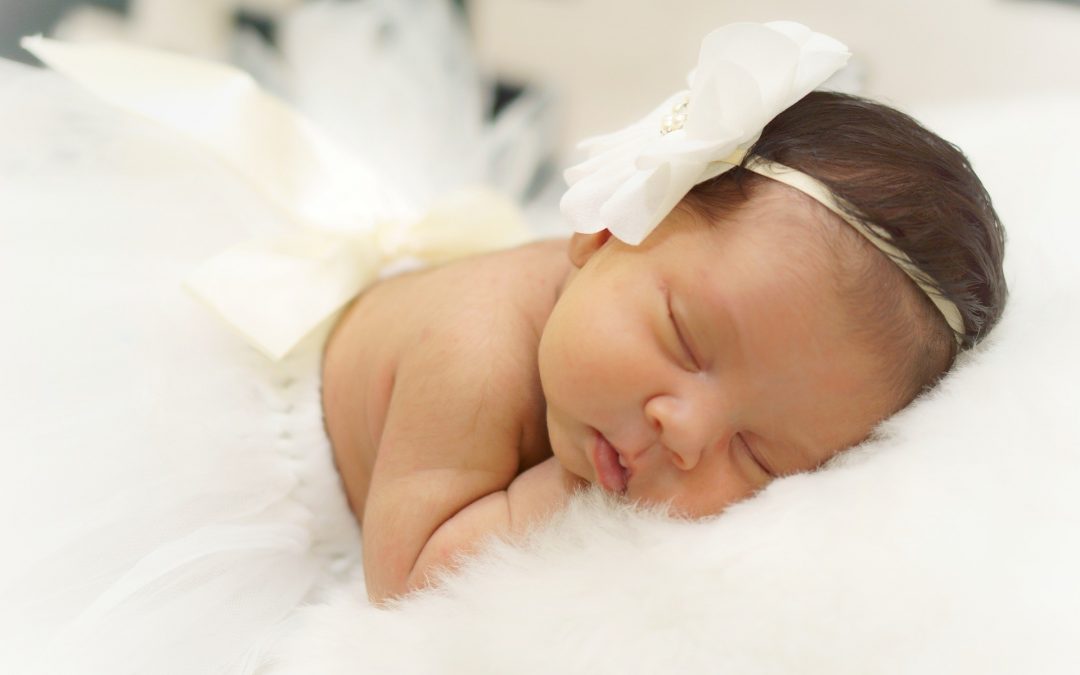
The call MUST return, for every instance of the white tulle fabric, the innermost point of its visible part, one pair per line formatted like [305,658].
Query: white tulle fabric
[747,73]
[169,492]
[350,224]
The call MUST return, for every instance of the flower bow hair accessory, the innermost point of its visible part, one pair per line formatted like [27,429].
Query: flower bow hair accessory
[347,225]
[747,73]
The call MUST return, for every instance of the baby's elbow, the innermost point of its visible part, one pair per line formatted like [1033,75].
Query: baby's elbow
[384,596]
[438,558]
[384,590]
[385,584]
[451,543]
[389,577]
[389,565]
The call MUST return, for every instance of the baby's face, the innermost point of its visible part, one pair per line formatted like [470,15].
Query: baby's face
[708,360]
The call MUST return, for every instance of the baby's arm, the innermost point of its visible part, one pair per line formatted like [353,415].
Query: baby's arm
[532,496]
[444,474]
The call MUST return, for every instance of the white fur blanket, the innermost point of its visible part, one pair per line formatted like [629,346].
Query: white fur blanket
[949,544]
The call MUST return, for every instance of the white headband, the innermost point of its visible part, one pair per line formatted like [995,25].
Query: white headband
[747,74]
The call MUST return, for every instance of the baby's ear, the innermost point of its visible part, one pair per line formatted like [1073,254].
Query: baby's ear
[582,246]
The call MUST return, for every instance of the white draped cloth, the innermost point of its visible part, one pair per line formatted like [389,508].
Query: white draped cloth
[170,491]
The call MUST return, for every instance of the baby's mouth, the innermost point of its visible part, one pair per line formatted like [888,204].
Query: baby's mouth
[611,471]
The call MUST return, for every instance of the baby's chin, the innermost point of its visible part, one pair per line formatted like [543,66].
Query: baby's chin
[577,465]
[573,459]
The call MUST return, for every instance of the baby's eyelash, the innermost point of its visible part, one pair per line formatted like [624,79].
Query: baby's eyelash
[678,333]
[753,455]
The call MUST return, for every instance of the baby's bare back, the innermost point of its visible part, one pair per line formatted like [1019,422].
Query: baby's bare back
[431,391]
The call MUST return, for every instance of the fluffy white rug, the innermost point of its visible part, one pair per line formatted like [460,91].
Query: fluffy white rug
[949,543]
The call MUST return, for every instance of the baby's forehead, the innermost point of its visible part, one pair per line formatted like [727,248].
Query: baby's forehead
[777,252]
[780,209]
[776,222]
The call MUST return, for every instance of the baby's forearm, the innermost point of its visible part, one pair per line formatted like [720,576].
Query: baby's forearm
[531,497]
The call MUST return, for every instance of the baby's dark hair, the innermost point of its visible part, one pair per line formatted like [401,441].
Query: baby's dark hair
[921,189]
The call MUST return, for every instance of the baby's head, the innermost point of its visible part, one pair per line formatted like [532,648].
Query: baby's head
[895,174]
[754,333]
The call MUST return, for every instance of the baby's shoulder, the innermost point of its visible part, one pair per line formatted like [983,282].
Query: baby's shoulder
[478,317]
[468,338]
[485,306]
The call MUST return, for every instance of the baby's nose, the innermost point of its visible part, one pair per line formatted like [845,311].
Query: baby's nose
[684,431]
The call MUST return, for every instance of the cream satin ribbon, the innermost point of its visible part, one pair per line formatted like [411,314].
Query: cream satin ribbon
[349,225]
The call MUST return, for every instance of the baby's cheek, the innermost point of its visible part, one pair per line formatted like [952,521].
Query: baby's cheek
[570,456]
[562,364]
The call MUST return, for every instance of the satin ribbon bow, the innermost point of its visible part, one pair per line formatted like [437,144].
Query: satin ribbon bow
[747,73]
[348,225]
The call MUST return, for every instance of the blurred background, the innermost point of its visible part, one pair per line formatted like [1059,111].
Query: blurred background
[906,53]
[608,61]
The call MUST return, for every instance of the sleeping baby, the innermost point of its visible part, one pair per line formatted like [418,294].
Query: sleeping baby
[760,274]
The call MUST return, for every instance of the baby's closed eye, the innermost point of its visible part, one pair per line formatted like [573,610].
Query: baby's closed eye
[685,351]
[755,457]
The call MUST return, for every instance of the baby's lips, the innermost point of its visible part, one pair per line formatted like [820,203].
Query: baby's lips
[626,463]
[610,472]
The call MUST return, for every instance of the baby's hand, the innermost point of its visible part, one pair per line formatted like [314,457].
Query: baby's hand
[529,499]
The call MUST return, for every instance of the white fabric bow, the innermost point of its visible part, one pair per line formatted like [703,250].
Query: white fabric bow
[349,225]
[747,73]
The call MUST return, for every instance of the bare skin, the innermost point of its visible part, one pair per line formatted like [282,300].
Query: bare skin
[472,399]
[433,403]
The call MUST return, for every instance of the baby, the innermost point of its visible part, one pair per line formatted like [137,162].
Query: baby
[753,333]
